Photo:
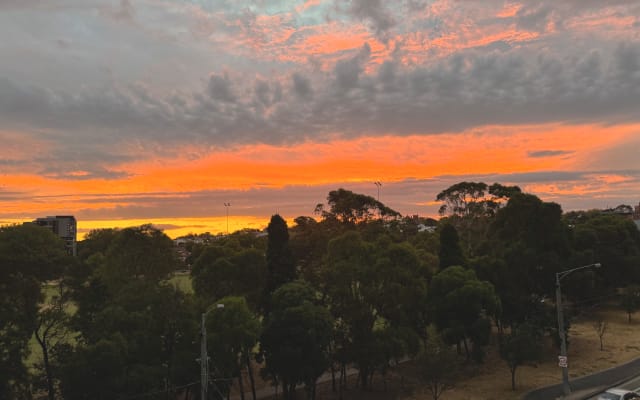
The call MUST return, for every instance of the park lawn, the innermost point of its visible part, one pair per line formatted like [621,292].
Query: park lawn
[35,351]
[182,280]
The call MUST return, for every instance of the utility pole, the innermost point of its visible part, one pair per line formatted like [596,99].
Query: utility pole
[204,357]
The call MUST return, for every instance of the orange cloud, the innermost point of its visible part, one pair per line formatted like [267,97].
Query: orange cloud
[509,10]
[481,151]
[307,5]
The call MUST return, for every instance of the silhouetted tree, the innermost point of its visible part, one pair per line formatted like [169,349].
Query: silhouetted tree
[460,305]
[296,338]
[350,208]
[450,252]
[631,299]
[522,345]
[280,265]
[29,256]
[438,365]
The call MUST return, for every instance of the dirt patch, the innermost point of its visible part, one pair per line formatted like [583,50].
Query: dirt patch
[492,379]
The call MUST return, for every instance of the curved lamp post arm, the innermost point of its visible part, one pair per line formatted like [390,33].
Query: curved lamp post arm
[562,274]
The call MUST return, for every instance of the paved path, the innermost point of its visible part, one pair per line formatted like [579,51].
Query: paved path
[632,385]
[588,386]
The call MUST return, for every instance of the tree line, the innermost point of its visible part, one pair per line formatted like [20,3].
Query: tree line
[356,285]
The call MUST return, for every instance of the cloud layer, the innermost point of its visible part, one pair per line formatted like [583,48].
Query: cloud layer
[96,91]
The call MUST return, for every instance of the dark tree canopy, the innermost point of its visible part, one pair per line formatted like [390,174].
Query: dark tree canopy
[351,208]
[142,252]
[296,337]
[370,294]
[522,345]
[474,198]
[460,305]
[280,264]
[438,365]
[529,243]
[29,255]
[610,239]
[221,271]
[630,300]
[462,198]
[450,252]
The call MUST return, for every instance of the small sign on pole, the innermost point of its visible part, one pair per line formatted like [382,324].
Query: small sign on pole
[562,361]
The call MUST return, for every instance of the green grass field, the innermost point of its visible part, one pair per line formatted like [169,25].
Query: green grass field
[183,281]
[50,289]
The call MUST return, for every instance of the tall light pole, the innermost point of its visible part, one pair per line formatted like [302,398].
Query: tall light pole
[378,184]
[204,357]
[562,359]
[227,205]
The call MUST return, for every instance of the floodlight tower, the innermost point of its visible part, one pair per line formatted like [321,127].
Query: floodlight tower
[227,205]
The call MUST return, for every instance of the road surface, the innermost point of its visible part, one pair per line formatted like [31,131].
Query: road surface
[631,385]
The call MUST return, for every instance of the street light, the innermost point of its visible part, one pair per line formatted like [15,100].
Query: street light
[227,205]
[563,362]
[204,358]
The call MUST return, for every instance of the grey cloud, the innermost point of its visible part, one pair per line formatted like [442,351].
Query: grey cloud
[538,177]
[10,195]
[263,92]
[302,86]
[220,88]
[373,11]
[468,89]
[63,43]
[621,156]
[627,58]
[12,163]
[83,174]
[124,11]
[548,153]
[534,17]
[416,5]
[348,71]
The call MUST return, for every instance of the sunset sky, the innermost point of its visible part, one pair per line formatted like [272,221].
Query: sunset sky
[135,111]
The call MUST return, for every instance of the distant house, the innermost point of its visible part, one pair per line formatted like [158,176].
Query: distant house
[622,210]
[426,228]
[64,226]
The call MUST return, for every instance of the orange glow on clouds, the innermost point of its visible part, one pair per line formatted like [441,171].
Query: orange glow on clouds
[484,150]
[509,10]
